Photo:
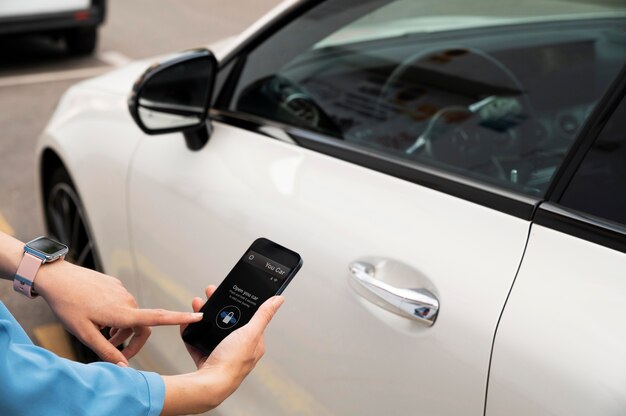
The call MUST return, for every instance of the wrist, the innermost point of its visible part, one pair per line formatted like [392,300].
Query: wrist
[218,381]
[50,275]
[23,263]
[11,253]
[194,393]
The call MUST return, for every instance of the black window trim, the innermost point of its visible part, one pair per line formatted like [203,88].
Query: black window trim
[518,205]
[241,51]
[500,199]
[572,222]
[584,226]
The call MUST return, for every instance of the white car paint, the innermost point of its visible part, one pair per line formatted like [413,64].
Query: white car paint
[193,213]
[102,154]
[560,345]
[168,221]
[328,220]
[13,8]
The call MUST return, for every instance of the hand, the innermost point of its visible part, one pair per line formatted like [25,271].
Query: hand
[87,301]
[246,343]
[220,373]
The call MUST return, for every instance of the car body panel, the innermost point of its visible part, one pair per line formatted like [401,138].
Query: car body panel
[90,133]
[37,7]
[121,80]
[102,151]
[193,213]
[168,221]
[560,344]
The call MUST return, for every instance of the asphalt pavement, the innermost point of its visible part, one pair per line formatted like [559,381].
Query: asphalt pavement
[34,73]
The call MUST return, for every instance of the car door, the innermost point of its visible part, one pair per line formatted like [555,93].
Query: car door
[350,143]
[560,345]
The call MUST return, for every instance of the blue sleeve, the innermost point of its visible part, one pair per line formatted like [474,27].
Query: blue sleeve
[34,381]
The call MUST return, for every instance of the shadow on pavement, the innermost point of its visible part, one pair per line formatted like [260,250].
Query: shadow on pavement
[25,54]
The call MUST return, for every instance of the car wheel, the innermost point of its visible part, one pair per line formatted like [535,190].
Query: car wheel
[81,41]
[66,222]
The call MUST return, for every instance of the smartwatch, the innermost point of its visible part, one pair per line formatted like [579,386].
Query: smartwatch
[36,252]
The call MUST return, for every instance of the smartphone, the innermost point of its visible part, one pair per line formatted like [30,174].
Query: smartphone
[264,270]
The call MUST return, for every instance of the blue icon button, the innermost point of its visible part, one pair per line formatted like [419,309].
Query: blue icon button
[228,317]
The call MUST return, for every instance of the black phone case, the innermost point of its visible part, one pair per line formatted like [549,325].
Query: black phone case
[242,291]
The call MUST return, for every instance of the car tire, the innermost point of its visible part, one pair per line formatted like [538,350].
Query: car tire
[66,222]
[81,41]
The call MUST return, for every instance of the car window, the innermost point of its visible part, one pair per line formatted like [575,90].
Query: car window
[599,185]
[495,91]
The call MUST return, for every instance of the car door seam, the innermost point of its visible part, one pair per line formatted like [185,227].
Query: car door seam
[506,300]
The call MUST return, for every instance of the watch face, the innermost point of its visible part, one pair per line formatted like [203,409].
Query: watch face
[48,247]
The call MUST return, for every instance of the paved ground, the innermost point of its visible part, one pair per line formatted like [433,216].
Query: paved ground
[34,73]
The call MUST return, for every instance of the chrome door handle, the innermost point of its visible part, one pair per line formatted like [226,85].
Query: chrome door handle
[418,304]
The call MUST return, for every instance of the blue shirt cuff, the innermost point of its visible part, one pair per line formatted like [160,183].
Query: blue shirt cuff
[156,389]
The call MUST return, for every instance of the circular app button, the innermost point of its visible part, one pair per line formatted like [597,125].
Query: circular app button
[228,317]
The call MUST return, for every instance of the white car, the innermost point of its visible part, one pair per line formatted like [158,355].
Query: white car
[471,150]
[74,21]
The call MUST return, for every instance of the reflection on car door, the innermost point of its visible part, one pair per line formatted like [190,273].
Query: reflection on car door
[329,351]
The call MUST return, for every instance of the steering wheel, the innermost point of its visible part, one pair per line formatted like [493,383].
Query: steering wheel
[297,105]
[277,98]
[450,134]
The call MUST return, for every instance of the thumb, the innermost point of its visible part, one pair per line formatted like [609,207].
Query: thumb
[196,304]
[265,313]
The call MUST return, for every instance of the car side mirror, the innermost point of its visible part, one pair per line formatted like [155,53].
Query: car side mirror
[174,96]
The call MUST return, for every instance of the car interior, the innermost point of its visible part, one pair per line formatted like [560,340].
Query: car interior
[501,104]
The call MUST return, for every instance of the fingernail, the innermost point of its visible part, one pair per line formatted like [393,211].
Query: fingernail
[122,364]
[278,300]
[198,315]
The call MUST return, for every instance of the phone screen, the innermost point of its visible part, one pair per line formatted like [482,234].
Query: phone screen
[264,270]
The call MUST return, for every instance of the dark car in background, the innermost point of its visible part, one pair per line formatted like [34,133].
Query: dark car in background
[74,21]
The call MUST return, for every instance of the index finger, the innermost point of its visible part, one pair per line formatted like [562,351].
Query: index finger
[155,317]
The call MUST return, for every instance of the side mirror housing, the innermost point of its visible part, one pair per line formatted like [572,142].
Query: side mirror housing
[174,95]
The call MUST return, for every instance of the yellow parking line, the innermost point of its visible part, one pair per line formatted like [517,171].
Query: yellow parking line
[5,227]
[54,338]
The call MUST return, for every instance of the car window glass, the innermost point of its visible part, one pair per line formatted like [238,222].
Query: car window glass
[495,91]
[599,185]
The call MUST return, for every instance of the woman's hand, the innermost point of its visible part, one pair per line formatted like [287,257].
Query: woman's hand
[87,301]
[239,352]
[220,373]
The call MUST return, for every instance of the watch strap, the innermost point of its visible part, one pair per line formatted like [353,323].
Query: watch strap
[25,277]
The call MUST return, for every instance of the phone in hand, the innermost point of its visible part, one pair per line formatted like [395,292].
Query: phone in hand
[264,270]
